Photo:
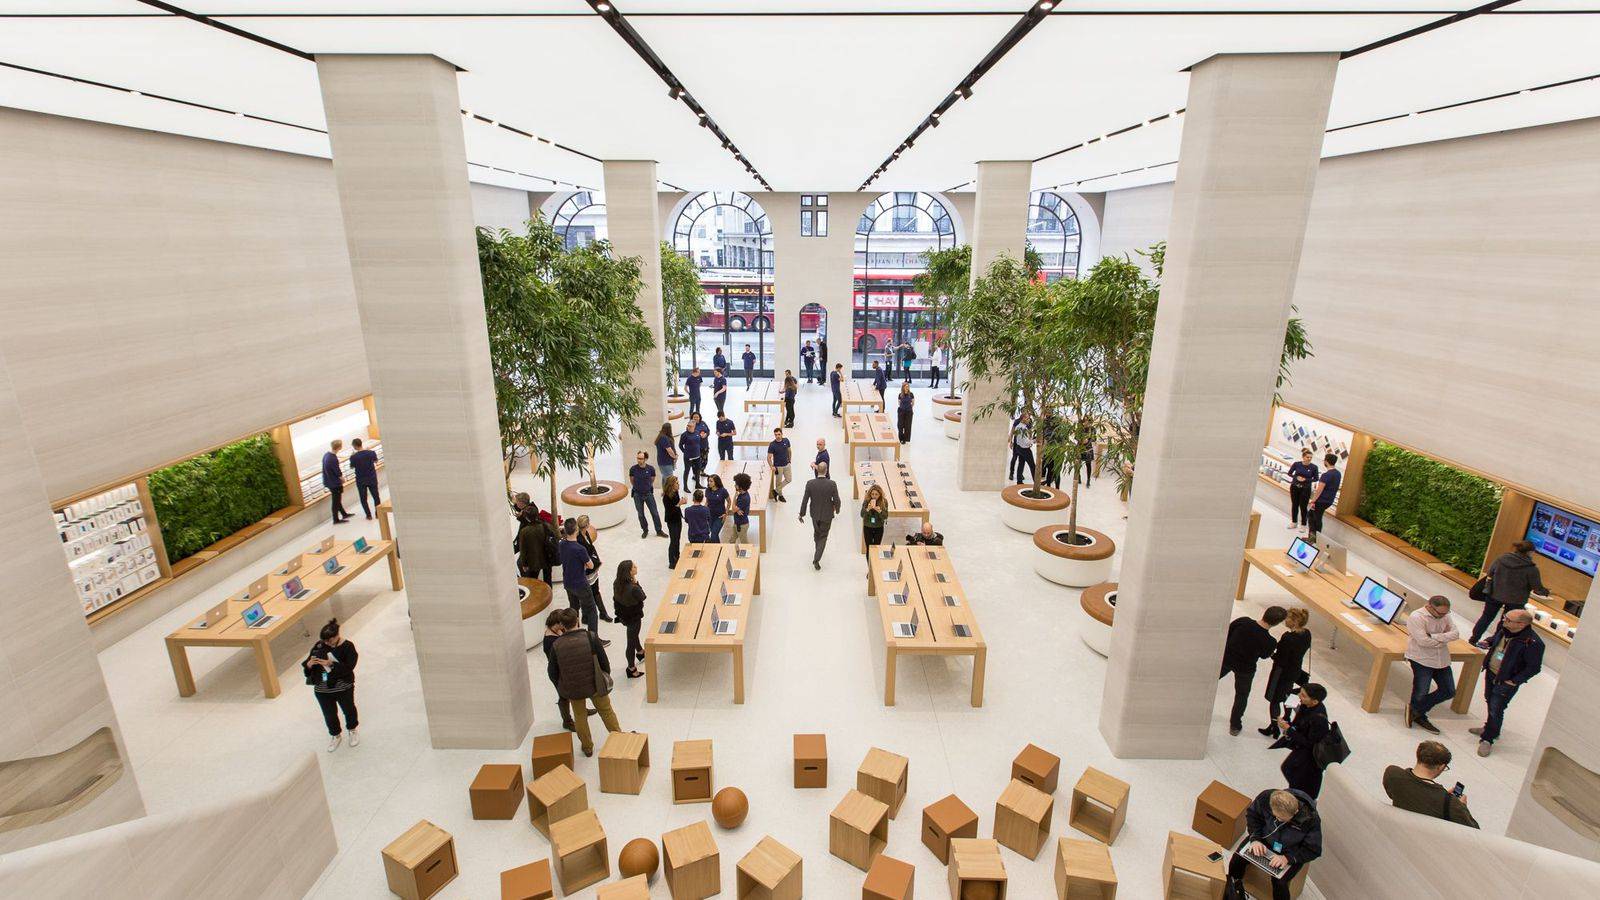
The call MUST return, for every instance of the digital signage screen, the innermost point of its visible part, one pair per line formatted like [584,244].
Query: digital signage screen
[1570,540]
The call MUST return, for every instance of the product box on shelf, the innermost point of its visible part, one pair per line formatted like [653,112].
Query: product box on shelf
[107,546]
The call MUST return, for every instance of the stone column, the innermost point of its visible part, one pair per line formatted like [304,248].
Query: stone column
[52,692]
[1252,139]
[999,225]
[633,219]
[399,161]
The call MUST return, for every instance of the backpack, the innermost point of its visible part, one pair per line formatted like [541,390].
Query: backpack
[1331,749]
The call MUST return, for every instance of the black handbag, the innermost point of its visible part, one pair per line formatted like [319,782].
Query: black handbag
[1480,589]
[1331,749]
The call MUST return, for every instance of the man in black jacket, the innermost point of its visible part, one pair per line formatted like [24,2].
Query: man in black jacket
[574,658]
[1512,577]
[1283,827]
[1515,655]
[1302,732]
[1249,641]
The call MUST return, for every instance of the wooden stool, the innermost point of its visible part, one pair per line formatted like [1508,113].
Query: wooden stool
[578,844]
[529,882]
[1219,813]
[624,761]
[810,760]
[420,862]
[1022,818]
[691,772]
[1258,885]
[975,865]
[946,819]
[770,871]
[496,792]
[692,862]
[1038,768]
[551,750]
[889,879]
[1099,805]
[1188,872]
[556,795]
[858,829]
[883,776]
[635,888]
[1084,871]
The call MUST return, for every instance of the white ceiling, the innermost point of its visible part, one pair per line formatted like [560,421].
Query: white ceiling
[815,100]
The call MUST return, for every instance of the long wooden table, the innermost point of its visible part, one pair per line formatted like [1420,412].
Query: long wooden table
[756,431]
[232,632]
[863,431]
[1326,594]
[853,394]
[764,393]
[699,580]
[899,485]
[760,487]
[927,578]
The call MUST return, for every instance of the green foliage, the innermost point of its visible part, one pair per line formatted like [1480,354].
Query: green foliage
[202,500]
[683,303]
[1430,505]
[565,337]
[945,280]
[1115,318]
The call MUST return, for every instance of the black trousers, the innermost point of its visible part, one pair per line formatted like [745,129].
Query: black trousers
[1314,520]
[1299,500]
[332,702]
[1485,624]
[674,532]
[933,375]
[808,367]
[749,377]
[838,401]
[1242,679]
[874,536]
[904,424]
[336,504]
[635,648]
[788,412]
[1280,886]
[694,402]
[724,449]
[362,490]
[1050,473]
[1023,456]
[722,401]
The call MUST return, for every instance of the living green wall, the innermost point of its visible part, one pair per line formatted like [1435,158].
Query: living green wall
[1430,505]
[202,500]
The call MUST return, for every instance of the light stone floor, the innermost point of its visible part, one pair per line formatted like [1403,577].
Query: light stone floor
[814,664]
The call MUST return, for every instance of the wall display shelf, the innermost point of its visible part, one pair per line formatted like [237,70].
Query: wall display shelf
[110,546]
[1293,431]
[302,443]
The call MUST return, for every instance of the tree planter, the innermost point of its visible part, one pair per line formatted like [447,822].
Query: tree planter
[1074,565]
[606,506]
[675,413]
[533,596]
[1099,605]
[677,401]
[946,400]
[952,424]
[1028,514]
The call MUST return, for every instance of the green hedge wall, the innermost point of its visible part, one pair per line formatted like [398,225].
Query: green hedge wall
[202,500]
[1430,505]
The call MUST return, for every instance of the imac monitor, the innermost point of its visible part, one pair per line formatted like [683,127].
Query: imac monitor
[1303,553]
[1378,600]
[1570,540]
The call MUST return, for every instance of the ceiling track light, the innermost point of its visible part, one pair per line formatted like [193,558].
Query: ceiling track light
[675,92]
[965,92]
[1045,5]
[602,7]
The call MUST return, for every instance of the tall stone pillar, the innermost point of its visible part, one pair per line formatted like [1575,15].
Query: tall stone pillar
[999,225]
[399,161]
[52,693]
[1252,139]
[633,219]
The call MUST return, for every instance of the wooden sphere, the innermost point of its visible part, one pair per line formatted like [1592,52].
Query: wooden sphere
[729,807]
[639,857]
[980,890]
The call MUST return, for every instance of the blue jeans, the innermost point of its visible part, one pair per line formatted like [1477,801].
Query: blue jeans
[1422,699]
[1498,694]
[640,501]
[667,469]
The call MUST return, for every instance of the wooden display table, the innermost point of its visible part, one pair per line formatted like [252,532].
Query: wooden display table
[900,488]
[1084,871]
[385,514]
[768,392]
[231,631]
[1188,872]
[686,627]
[927,578]
[760,489]
[1326,594]
[870,432]
[754,432]
[859,395]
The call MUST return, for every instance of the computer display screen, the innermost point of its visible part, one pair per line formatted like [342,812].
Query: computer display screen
[1570,540]
[1379,600]
[291,587]
[253,614]
[332,565]
[1303,553]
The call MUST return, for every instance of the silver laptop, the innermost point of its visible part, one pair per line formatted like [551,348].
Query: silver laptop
[294,565]
[950,600]
[908,629]
[720,625]
[326,545]
[680,599]
[257,590]
[897,599]
[256,617]
[887,554]
[729,599]
[734,574]
[898,571]
[213,616]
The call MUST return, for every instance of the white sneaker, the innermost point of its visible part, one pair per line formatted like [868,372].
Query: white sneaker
[333,742]
[1293,526]
[355,738]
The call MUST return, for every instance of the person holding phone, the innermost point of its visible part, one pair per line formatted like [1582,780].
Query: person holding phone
[1301,476]
[1282,829]
[1418,790]
[330,669]
[1303,729]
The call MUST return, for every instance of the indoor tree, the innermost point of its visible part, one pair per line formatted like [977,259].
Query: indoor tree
[682,306]
[945,280]
[565,337]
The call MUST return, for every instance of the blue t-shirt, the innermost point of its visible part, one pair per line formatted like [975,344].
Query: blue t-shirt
[720,361]
[1330,488]
[698,518]
[833,381]
[1301,474]
[749,358]
[719,385]
[693,384]
[726,430]
[663,450]
[365,464]
[704,430]
[808,353]
[822,457]
[643,478]
[741,504]
[717,502]
[574,556]
[907,400]
[779,451]
[789,390]
[880,379]
[689,443]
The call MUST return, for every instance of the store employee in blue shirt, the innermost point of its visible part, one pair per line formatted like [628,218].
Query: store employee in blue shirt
[693,447]
[719,389]
[725,432]
[880,379]
[364,463]
[822,454]
[333,480]
[749,358]
[718,360]
[1301,475]
[698,518]
[575,566]
[693,384]
[778,459]
[1322,495]
[836,384]
[643,476]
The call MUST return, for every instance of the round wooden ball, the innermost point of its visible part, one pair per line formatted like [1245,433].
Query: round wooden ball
[639,857]
[729,807]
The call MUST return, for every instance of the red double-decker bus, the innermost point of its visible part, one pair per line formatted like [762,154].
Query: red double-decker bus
[882,303]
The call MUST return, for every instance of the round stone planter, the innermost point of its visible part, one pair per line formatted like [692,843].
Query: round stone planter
[946,400]
[1028,514]
[606,508]
[674,413]
[1074,565]
[1099,607]
[534,597]
[678,401]
[952,424]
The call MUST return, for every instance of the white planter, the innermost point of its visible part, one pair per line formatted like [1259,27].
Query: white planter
[1027,519]
[533,626]
[1095,633]
[604,511]
[952,428]
[1066,570]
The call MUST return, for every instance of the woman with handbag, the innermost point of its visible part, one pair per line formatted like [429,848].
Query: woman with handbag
[1507,584]
[330,669]
[627,598]
[1288,666]
[579,667]
[1303,729]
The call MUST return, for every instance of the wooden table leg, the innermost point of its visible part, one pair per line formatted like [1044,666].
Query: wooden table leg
[269,669]
[890,657]
[980,662]
[1467,686]
[738,674]
[181,672]
[763,517]
[1377,679]
[396,580]
[652,686]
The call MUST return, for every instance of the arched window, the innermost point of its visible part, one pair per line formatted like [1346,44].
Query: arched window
[581,219]
[1053,234]
[891,323]
[728,237]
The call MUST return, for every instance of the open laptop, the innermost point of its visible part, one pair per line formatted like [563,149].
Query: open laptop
[361,545]
[962,630]
[729,599]
[258,589]
[899,570]
[669,627]
[733,574]
[212,617]
[256,617]
[294,565]
[887,554]
[331,566]
[950,600]
[680,599]
[294,590]
[720,625]
[326,545]
[908,629]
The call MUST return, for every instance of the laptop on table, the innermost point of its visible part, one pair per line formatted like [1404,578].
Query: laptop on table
[720,625]
[256,617]
[331,566]
[729,599]
[908,629]
[899,571]
[257,589]
[294,564]
[294,590]
[361,545]
[734,574]
[212,617]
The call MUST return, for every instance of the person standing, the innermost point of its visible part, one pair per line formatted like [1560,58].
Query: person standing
[716,506]
[672,504]
[778,459]
[1513,576]
[1429,631]
[643,478]
[933,368]
[822,458]
[1249,641]
[575,567]
[908,358]
[1418,790]
[822,357]
[333,480]
[874,515]
[666,454]
[718,360]
[691,452]
[704,430]
[1052,450]
[791,387]
[719,390]
[1301,476]
[836,385]
[627,600]
[583,677]
[534,540]
[741,508]
[553,628]
[1515,655]
[1284,827]
[587,536]
[1085,468]
[808,360]
[822,499]
[880,380]
[364,463]
[692,385]
[749,360]
[1022,445]
[907,408]
[1323,493]
[697,518]
[725,432]
[330,669]
[1303,730]
[1288,666]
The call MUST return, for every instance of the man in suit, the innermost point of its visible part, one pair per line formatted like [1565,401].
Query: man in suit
[333,480]
[364,463]
[822,498]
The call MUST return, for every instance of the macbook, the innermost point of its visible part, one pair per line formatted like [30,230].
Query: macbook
[212,616]
[669,627]
[294,590]
[908,629]
[294,565]
[680,599]
[256,617]
[326,545]
[332,566]
[897,599]
[963,631]
[258,588]
[734,574]
[720,625]
[899,570]
[361,545]
[951,601]
[729,599]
